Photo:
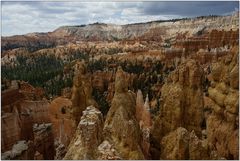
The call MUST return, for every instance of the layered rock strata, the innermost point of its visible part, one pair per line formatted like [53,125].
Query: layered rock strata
[88,136]
[121,127]
[81,92]
[223,103]
[181,101]
[44,140]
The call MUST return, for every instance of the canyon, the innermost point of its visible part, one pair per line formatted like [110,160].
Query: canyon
[161,90]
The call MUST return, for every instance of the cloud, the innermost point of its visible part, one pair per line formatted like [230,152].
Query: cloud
[26,17]
[190,9]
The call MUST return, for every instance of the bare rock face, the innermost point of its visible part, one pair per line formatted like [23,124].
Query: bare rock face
[180,144]
[139,105]
[10,131]
[44,140]
[60,116]
[143,116]
[181,101]
[222,122]
[81,92]
[87,137]
[107,151]
[22,150]
[174,146]
[39,110]
[198,149]
[121,127]
[60,150]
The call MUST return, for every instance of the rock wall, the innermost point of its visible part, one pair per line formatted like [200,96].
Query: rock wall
[60,117]
[38,109]
[121,127]
[88,136]
[44,140]
[81,92]
[181,101]
[22,150]
[223,102]
[181,145]
[143,117]
[10,130]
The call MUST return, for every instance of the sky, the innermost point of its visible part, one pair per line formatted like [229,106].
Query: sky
[26,17]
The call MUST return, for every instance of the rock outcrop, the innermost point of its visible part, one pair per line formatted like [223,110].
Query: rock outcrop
[10,131]
[180,144]
[44,140]
[181,101]
[88,136]
[174,146]
[121,127]
[61,119]
[60,150]
[150,31]
[198,148]
[143,116]
[22,150]
[81,92]
[222,123]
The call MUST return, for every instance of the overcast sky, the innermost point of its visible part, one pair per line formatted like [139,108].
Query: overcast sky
[26,17]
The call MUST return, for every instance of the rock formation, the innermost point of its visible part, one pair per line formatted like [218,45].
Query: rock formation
[22,150]
[174,146]
[181,101]
[143,116]
[198,149]
[139,105]
[153,31]
[180,144]
[87,137]
[61,119]
[222,123]
[60,150]
[121,127]
[44,140]
[10,131]
[81,92]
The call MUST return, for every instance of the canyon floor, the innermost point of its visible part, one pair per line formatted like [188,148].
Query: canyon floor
[162,90]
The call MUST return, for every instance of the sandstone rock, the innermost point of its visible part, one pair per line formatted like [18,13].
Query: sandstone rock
[198,149]
[174,146]
[107,151]
[38,156]
[61,119]
[181,101]
[233,76]
[143,116]
[87,137]
[81,92]
[38,109]
[44,140]
[60,150]
[22,150]
[222,130]
[139,105]
[10,131]
[121,126]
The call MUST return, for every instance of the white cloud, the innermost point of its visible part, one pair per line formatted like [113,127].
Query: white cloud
[26,17]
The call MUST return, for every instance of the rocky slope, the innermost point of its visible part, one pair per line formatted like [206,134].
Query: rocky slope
[223,101]
[20,138]
[121,126]
[117,137]
[181,100]
[104,32]
[158,90]
[212,121]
